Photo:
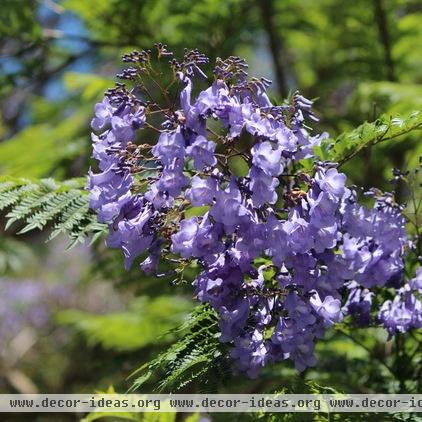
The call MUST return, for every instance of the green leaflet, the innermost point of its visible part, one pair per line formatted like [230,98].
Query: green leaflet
[349,144]
[197,355]
[64,206]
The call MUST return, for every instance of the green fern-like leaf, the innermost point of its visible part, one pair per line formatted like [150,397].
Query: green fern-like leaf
[61,206]
[386,128]
[197,355]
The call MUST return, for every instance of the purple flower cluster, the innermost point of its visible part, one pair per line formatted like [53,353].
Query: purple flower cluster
[405,310]
[283,254]
[116,122]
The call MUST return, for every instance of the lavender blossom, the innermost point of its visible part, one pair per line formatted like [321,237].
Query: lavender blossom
[308,228]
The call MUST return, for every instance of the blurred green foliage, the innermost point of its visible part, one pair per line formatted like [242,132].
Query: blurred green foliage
[146,417]
[145,322]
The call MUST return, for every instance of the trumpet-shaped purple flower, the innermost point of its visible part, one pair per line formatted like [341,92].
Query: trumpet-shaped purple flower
[263,187]
[229,208]
[267,158]
[104,112]
[202,152]
[170,146]
[416,283]
[359,303]
[202,191]
[172,181]
[331,182]
[328,309]
[109,193]
[395,316]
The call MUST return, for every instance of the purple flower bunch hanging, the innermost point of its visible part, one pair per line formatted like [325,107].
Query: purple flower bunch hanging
[283,253]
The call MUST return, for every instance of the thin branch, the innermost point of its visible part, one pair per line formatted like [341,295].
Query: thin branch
[276,45]
[377,140]
[368,350]
[385,38]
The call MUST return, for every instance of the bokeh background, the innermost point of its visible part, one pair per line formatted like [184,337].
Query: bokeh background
[72,320]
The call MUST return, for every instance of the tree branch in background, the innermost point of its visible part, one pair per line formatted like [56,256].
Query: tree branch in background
[276,45]
[385,39]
